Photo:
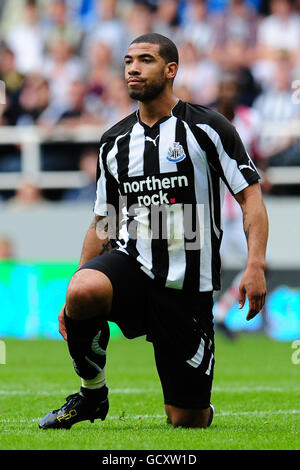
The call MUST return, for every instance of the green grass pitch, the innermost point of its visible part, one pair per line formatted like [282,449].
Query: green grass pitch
[256,395]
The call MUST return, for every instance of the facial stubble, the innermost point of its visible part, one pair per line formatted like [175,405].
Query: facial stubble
[150,92]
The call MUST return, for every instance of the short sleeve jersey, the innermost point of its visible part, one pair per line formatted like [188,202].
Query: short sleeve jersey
[167,183]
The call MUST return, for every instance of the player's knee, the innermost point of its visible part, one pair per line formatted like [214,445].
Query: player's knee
[179,422]
[188,418]
[89,293]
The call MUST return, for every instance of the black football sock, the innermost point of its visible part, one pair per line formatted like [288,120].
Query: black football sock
[99,394]
[87,343]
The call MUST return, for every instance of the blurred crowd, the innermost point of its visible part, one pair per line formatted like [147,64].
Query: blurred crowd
[62,64]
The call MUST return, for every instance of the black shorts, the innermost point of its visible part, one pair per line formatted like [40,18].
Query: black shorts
[178,323]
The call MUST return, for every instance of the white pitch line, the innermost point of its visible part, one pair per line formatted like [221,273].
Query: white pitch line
[259,413]
[128,391]
[125,391]
[222,413]
[242,389]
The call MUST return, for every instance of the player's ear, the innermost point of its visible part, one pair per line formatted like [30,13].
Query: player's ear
[171,70]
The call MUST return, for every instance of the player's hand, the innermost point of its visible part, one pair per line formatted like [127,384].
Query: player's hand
[61,324]
[253,285]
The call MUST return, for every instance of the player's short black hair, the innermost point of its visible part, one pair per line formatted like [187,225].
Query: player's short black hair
[167,48]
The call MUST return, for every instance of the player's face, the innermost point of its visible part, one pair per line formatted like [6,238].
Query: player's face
[145,72]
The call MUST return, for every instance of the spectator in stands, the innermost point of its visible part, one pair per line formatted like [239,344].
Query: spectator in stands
[277,109]
[9,108]
[60,26]
[107,28]
[26,40]
[11,14]
[36,107]
[167,21]
[244,118]
[61,68]
[238,21]
[279,31]
[77,113]
[28,194]
[152,4]
[236,57]
[100,69]
[199,75]
[6,249]
[264,69]
[139,20]
[2,111]
[13,80]
[117,103]
[200,29]
[183,93]
[88,167]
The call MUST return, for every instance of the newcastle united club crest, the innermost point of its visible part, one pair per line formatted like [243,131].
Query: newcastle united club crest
[176,153]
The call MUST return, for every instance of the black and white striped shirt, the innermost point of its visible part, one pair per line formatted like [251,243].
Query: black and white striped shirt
[170,180]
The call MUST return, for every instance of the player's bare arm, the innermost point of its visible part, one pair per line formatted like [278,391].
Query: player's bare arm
[96,242]
[255,220]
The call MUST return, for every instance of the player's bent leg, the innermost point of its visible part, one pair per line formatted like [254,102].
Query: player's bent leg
[98,291]
[89,299]
[88,303]
[186,418]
